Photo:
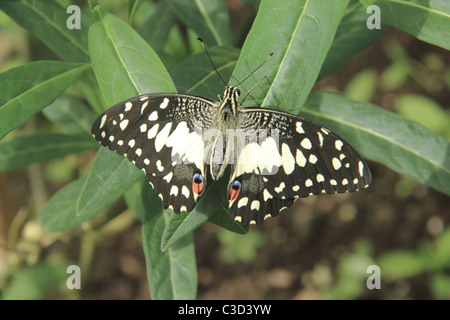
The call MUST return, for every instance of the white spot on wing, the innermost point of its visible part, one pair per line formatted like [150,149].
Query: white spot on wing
[185,192]
[164,104]
[306,143]
[267,195]
[161,137]
[255,205]
[159,166]
[308,183]
[153,116]
[287,159]
[123,124]
[128,106]
[338,144]
[298,127]
[102,122]
[242,202]
[360,168]
[174,191]
[300,158]
[312,159]
[336,163]
[168,177]
[144,105]
[153,131]
[138,152]
[280,187]
[320,138]
[320,178]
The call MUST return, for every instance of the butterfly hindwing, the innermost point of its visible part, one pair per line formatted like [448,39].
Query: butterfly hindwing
[158,134]
[291,158]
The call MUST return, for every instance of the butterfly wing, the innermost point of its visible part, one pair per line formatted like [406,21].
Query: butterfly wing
[162,135]
[292,158]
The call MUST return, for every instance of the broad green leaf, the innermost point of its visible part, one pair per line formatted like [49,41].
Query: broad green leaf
[171,274]
[299,34]
[47,20]
[425,111]
[91,91]
[70,114]
[109,178]
[208,18]
[123,63]
[196,75]
[209,205]
[362,86]
[59,213]
[125,66]
[29,88]
[402,263]
[133,7]
[142,200]
[23,151]
[428,20]
[156,25]
[351,38]
[403,145]
[34,282]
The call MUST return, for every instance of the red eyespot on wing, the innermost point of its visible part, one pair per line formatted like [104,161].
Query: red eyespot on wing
[197,184]
[235,188]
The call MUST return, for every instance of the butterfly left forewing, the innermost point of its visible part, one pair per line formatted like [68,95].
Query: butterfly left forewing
[157,133]
[294,158]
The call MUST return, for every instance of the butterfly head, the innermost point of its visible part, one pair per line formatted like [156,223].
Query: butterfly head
[229,103]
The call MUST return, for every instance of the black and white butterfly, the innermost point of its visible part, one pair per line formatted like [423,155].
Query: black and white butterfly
[275,157]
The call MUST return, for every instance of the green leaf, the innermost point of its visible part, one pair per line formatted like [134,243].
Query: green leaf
[59,213]
[195,75]
[70,114]
[133,7]
[34,282]
[362,86]
[209,207]
[109,178]
[171,274]
[423,110]
[47,20]
[350,39]
[427,20]
[29,88]
[156,25]
[142,200]
[403,145]
[23,151]
[299,34]
[402,264]
[123,63]
[125,66]
[208,18]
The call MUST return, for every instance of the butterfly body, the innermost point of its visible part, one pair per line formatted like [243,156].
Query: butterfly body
[275,157]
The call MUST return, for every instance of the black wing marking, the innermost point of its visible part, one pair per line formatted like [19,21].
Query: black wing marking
[295,158]
[158,133]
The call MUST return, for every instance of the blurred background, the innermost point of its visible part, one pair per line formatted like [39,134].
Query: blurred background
[318,249]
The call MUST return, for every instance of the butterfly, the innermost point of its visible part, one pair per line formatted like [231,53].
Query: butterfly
[275,157]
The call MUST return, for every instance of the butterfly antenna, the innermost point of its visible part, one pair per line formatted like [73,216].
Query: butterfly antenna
[210,60]
[256,69]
